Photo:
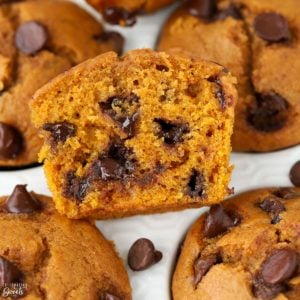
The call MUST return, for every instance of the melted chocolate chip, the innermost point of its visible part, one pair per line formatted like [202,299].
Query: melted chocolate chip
[286,193]
[261,290]
[117,164]
[9,273]
[279,267]
[76,187]
[60,132]
[171,132]
[162,68]
[196,185]
[219,221]
[109,296]
[31,37]
[118,15]
[11,142]
[123,110]
[142,255]
[218,89]
[204,9]
[274,207]
[272,27]
[21,202]
[295,174]
[270,113]
[113,37]
[202,265]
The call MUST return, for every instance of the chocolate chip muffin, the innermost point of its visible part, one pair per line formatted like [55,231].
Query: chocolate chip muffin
[44,255]
[247,248]
[147,132]
[39,40]
[124,12]
[259,42]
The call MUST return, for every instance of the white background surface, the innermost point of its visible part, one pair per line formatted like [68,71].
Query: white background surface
[165,230]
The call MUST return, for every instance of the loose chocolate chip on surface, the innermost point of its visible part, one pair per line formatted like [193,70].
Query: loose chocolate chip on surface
[261,290]
[295,174]
[280,266]
[113,37]
[11,142]
[271,27]
[76,187]
[21,202]
[274,207]
[219,221]
[142,255]
[60,132]
[202,265]
[119,16]
[109,296]
[31,37]
[171,132]
[9,273]
[204,9]
[270,113]
[219,92]
[196,184]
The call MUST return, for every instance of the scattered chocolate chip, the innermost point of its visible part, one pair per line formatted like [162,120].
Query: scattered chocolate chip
[21,202]
[9,273]
[109,296]
[204,9]
[119,16]
[274,207]
[60,132]
[117,164]
[123,110]
[171,132]
[76,187]
[218,90]
[286,193]
[280,266]
[232,11]
[202,265]
[142,255]
[272,27]
[261,290]
[196,184]
[162,68]
[219,221]
[270,113]
[11,142]
[113,37]
[31,37]
[295,174]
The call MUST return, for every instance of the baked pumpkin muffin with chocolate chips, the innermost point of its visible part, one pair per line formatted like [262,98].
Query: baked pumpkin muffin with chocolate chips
[246,248]
[147,132]
[124,12]
[259,42]
[39,40]
[44,255]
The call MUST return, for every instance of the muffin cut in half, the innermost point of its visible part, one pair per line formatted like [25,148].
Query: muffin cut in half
[147,132]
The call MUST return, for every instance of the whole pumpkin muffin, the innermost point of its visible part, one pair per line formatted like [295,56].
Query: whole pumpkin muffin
[44,255]
[246,248]
[147,132]
[258,41]
[124,12]
[39,40]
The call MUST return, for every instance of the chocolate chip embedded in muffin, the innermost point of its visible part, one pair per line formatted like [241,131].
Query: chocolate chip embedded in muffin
[218,88]
[204,9]
[9,273]
[273,206]
[196,185]
[60,132]
[295,174]
[142,255]
[118,15]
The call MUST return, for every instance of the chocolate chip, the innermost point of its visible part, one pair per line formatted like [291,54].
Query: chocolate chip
[202,265]
[218,90]
[261,290]
[232,11]
[162,68]
[271,27]
[270,113]
[280,266]
[9,273]
[219,221]
[118,15]
[286,193]
[274,207]
[193,90]
[117,163]
[142,255]
[204,9]
[60,132]
[21,202]
[109,296]
[172,133]
[76,187]
[295,174]
[31,37]
[123,110]
[196,184]
[11,142]
[113,37]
